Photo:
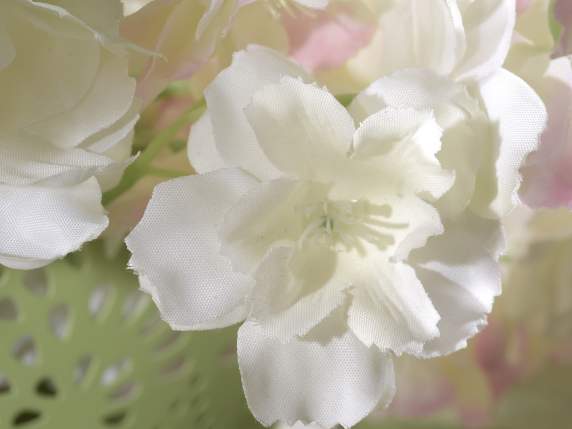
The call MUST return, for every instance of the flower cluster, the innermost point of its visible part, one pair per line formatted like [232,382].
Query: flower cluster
[355,163]
[345,233]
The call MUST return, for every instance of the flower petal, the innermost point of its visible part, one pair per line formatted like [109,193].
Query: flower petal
[297,288]
[27,160]
[340,381]
[231,92]
[175,250]
[461,274]
[391,309]
[521,117]
[264,216]
[40,224]
[107,101]
[201,148]
[489,26]
[401,146]
[434,36]
[303,130]
[33,81]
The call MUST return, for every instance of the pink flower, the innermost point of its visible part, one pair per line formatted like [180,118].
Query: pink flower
[326,39]
[548,176]
[563,10]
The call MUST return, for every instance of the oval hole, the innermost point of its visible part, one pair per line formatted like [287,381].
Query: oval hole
[36,282]
[24,350]
[25,417]
[60,320]
[115,419]
[8,310]
[82,368]
[5,386]
[98,300]
[46,387]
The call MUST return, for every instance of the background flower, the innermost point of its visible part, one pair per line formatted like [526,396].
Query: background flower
[65,125]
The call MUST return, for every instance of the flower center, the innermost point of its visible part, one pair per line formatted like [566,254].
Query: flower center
[349,225]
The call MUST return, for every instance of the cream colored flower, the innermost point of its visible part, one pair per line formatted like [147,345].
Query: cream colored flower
[340,237]
[66,122]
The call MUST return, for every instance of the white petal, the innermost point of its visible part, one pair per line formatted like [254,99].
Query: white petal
[175,249]
[231,92]
[425,34]
[489,26]
[201,147]
[521,118]
[391,309]
[26,161]
[419,89]
[303,130]
[340,381]
[297,288]
[40,224]
[55,65]
[456,111]
[107,101]
[461,274]
[264,216]
[406,142]
[115,143]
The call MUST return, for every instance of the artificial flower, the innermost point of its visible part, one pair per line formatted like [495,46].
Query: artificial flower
[465,40]
[66,123]
[340,237]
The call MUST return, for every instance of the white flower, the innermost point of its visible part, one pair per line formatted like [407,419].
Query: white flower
[341,237]
[465,40]
[66,120]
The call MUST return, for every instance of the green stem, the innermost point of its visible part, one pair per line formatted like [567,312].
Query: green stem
[345,99]
[164,172]
[142,165]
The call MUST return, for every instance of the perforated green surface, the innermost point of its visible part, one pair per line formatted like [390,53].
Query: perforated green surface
[82,348]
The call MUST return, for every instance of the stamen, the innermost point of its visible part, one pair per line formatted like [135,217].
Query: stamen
[347,225]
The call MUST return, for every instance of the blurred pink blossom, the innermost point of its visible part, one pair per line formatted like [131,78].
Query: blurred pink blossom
[548,176]
[563,10]
[326,39]
[522,5]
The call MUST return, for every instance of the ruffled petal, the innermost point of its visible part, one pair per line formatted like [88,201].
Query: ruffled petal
[396,149]
[231,92]
[457,113]
[40,224]
[297,288]
[461,274]
[520,116]
[391,309]
[175,251]
[335,382]
[303,130]
[489,26]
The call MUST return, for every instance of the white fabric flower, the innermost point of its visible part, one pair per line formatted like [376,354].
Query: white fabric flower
[341,237]
[66,124]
